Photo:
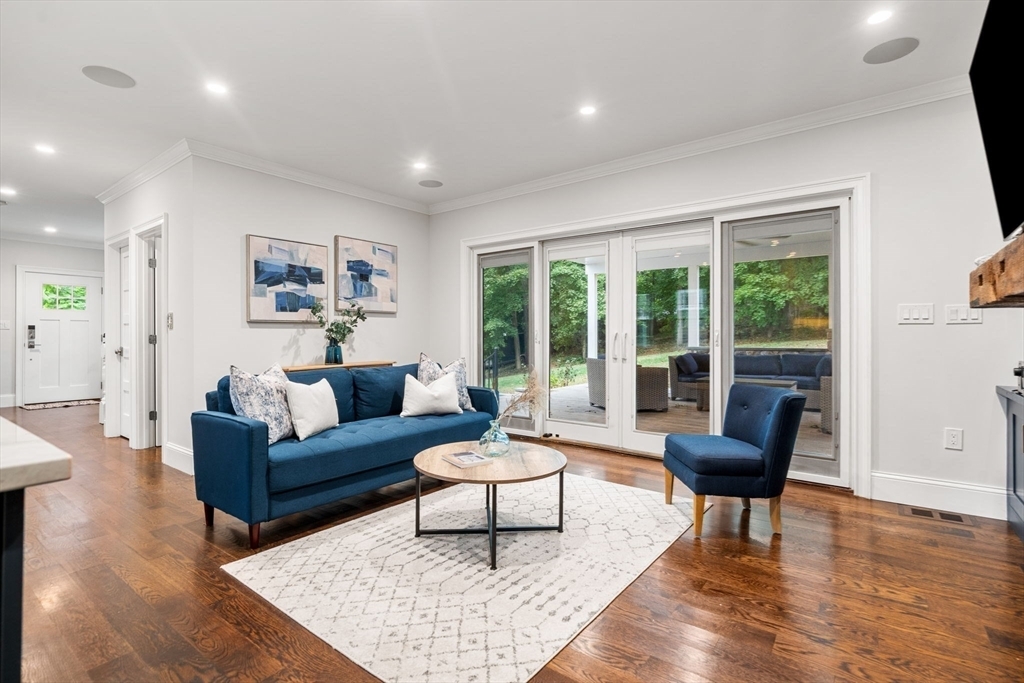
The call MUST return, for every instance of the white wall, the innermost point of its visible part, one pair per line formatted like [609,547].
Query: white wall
[211,206]
[169,193]
[231,202]
[18,253]
[932,213]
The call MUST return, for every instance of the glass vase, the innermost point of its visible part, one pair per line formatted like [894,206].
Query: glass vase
[494,442]
[333,354]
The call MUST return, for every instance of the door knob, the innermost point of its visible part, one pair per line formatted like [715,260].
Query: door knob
[119,351]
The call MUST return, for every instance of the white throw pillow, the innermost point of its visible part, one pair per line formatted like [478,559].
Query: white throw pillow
[441,397]
[312,406]
[263,398]
[429,370]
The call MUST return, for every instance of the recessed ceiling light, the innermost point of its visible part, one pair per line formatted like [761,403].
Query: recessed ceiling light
[431,183]
[49,228]
[677,254]
[9,191]
[879,17]
[107,76]
[218,88]
[419,165]
[775,243]
[791,254]
[891,50]
[587,110]
[45,149]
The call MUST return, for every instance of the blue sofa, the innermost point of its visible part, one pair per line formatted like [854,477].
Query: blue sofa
[805,369]
[238,473]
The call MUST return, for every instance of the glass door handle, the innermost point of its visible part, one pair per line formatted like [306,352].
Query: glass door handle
[615,347]
[625,346]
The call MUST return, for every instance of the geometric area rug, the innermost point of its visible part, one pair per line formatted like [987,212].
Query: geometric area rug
[431,609]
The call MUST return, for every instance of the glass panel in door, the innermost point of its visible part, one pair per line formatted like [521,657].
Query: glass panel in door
[673,325]
[505,329]
[577,341]
[783,302]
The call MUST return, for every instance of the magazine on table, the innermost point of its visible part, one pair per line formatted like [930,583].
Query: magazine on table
[466,459]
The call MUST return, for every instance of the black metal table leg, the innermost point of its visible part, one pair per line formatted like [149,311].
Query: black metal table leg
[417,503]
[12,527]
[493,527]
[561,499]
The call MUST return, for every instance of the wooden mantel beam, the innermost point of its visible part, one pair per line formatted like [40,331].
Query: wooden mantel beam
[999,282]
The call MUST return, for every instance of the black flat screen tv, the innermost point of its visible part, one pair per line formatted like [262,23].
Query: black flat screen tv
[997,75]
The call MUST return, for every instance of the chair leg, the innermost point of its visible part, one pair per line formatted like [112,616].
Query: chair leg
[208,510]
[698,515]
[775,512]
[746,503]
[670,480]
[254,536]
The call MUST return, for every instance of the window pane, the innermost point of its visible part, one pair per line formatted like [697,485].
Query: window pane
[63,304]
[64,291]
[505,346]
[78,292]
[49,290]
[78,304]
[50,302]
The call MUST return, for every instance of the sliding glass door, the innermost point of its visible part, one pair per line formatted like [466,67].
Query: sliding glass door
[783,302]
[505,335]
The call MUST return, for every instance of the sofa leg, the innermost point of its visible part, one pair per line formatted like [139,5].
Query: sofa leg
[775,512]
[208,510]
[698,514]
[670,479]
[746,503]
[254,536]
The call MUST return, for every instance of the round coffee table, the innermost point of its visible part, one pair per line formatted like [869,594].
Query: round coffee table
[523,462]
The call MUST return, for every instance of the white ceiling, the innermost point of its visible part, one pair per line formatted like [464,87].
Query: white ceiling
[486,92]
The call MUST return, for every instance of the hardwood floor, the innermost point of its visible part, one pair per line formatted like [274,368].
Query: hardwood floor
[123,583]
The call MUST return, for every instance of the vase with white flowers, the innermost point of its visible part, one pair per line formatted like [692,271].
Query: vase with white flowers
[338,330]
[495,442]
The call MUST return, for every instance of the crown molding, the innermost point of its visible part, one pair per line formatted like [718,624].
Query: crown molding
[149,170]
[227,156]
[50,241]
[902,99]
[185,148]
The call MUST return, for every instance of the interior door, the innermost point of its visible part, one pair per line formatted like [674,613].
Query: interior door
[123,352]
[62,356]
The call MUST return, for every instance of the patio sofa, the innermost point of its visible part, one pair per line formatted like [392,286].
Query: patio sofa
[238,473]
[805,369]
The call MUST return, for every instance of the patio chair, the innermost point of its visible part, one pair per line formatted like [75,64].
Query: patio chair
[651,386]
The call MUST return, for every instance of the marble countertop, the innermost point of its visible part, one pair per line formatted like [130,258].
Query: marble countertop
[26,460]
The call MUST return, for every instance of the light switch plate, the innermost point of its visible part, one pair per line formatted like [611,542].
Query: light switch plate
[5,324]
[915,314]
[962,314]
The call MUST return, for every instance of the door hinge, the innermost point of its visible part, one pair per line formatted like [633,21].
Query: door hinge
[152,339]
[152,415]
[152,263]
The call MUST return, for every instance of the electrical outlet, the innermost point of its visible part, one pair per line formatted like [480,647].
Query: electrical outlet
[954,439]
[915,314]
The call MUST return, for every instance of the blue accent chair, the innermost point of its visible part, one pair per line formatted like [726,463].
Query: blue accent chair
[749,460]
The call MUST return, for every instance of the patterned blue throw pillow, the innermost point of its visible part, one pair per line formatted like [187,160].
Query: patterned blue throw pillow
[264,398]
[430,370]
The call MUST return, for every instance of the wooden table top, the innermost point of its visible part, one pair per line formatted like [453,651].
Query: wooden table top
[352,364]
[523,462]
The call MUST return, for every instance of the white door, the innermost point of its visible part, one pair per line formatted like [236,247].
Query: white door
[63,323]
[123,352]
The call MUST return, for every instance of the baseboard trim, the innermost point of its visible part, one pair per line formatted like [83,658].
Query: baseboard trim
[6,400]
[178,457]
[940,494]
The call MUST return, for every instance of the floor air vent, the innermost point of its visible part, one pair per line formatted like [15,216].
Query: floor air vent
[937,515]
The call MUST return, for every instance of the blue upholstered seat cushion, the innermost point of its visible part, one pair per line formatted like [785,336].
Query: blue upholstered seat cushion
[686,364]
[802,364]
[824,367]
[758,366]
[364,445]
[716,455]
[379,391]
[703,361]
